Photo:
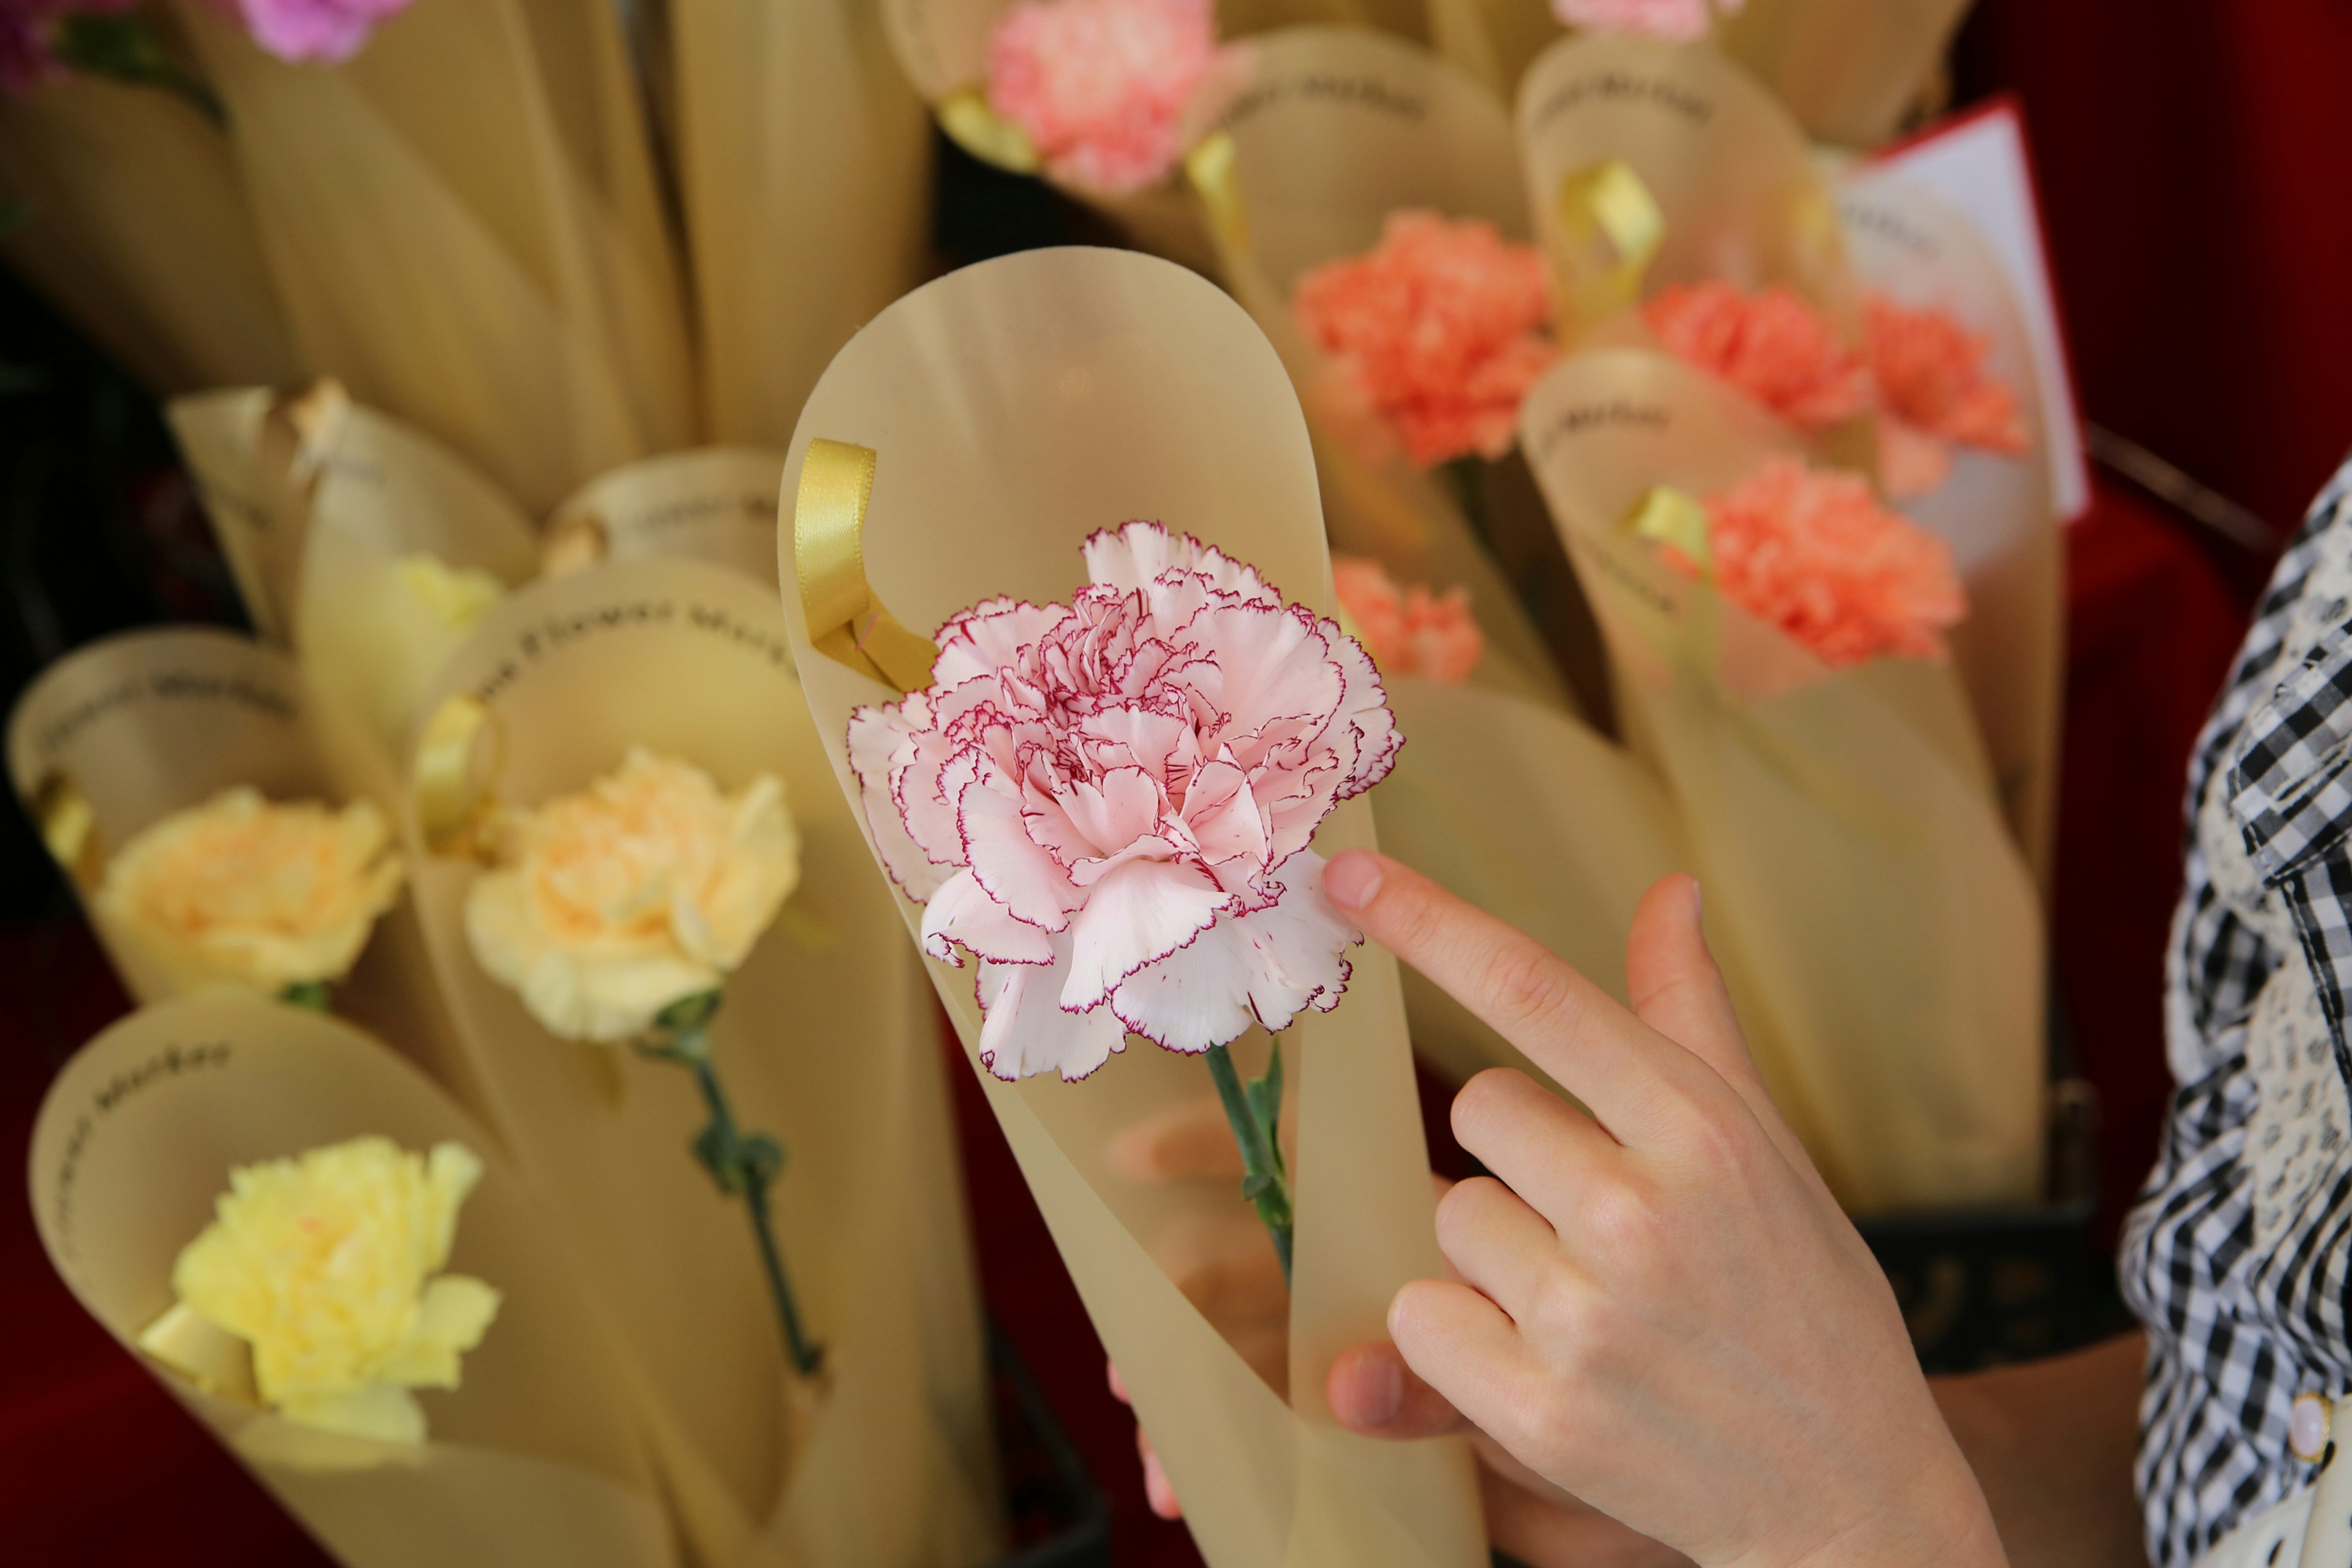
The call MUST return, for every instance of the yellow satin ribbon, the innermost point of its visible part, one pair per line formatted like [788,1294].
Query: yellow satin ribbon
[1667,516]
[987,135]
[455,778]
[846,622]
[68,827]
[1209,168]
[1609,229]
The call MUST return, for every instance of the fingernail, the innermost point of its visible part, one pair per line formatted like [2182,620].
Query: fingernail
[1698,900]
[1157,1490]
[1379,1391]
[1353,880]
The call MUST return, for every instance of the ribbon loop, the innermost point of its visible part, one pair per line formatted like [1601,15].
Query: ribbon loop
[1669,517]
[987,135]
[69,828]
[1209,168]
[846,622]
[459,756]
[1608,228]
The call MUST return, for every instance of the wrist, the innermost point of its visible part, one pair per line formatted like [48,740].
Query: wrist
[1938,1520]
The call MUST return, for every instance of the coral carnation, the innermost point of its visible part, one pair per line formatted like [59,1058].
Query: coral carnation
[1107,90]
[1934,394]
[1440,327]
[1410,631]
[1108,803]
[1815,554]
[1675,21]
[1770,345]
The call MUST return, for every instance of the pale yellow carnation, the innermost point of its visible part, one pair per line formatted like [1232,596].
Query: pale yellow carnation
[641,890]
[325,1265]
[455,597]
[241,891]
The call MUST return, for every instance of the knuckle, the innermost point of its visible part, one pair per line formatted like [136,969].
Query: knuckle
[1624,1224]
[1721,1142]
[1486,1100]
[1526,982]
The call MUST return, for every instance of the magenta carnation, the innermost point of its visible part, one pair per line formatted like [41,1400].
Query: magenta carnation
[1106,90]
[1675,21]
[325,31]
[1108,804]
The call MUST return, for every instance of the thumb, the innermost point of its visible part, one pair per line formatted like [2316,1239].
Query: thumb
[1371,1391]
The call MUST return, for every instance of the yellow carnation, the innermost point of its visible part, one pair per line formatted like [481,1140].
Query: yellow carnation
[457,596]
[323,1264]
[644,889]
[245,893]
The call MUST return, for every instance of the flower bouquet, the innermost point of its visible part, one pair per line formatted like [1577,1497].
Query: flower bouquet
[1779,641]
[682,993]
[1087,386]
[715,503]
[372,1316]
[187,783]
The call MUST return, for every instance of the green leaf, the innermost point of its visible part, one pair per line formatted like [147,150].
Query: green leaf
[688,1015]
[1255,1183]
[761,1158]
[310,993]
[715,1146]
[121,46]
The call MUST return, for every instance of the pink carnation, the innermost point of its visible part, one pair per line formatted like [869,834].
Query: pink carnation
[27,27]
[1675,21]
[325,31]
[1107,804]
[1770,345]
[1934,392]
[1815,554]
[1107,91]
[1440,328]
[1410,631]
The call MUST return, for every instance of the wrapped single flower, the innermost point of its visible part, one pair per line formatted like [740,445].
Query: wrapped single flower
[1814,553]
[1674,21]
[1410,631]
[327,1266]
[1934,395]
[1109,92]
[640,892]
[1770,344]
[326,32]
[250,893]
[1440,329]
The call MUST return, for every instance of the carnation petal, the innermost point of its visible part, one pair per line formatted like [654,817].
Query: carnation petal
[1024,1030]
[1264,967]
[874,736]
[962,911]
[1141,912]
[1135,554]
[1015,869]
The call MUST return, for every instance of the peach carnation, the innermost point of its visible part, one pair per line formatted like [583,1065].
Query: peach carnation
[1675,21]
[1440,327]
[1410,631]
[1107,91]
[1771,345]
[1814,553]
[1108,804]
[1934,394]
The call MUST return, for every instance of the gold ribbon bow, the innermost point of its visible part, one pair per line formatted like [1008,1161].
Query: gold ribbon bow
[846,622]
[1669,517]
[460,756]
[69,828]
[987,135]
[1609,229]
[1209,168]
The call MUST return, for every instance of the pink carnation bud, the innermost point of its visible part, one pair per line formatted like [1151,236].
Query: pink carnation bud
[1440,327]
[1410,631]
[1933,390]
[1675,21]
[325,32]
[1108,803]
[1770,345]
[1107,91]
[1814,553]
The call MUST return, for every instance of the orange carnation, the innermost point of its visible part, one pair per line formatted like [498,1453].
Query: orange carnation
[1770,345]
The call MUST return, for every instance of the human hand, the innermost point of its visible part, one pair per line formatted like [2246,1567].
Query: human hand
[1660,1309]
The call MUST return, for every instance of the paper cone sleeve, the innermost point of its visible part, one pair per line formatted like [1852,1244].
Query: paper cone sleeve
[462,226]
[1995,509]
[1846,69]
[135,727]
[793,118]
[534,1459]
[138,230]
[1016,407]
[715,504]
[1879,927]
[825,1040]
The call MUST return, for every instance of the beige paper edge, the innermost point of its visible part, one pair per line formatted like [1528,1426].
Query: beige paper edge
[715,504]
[824,1041]
[534,1460]
[1018,406]
[1846,69]
[1882,934]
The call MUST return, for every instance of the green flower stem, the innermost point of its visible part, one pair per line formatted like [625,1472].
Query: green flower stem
[1469,477]
[123,47]
[1254,1112]
[310,993]
[741,1162]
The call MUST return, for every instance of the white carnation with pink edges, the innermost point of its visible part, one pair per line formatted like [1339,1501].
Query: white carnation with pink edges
[1107,804]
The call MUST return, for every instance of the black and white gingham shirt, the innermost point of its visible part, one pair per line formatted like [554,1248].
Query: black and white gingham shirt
[2236,1257]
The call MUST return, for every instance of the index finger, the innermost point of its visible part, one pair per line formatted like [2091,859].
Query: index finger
[1574,1030]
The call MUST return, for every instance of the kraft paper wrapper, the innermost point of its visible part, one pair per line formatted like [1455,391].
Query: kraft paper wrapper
[535,1459]
[1340,128]
[1881,932]
[792,117]
[1017,406]
[315,532]
[825,1040]
[1994,510]
[717,504]
[139,232]
[1846,69]
[148,723]
[462,226]
[1728,169]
